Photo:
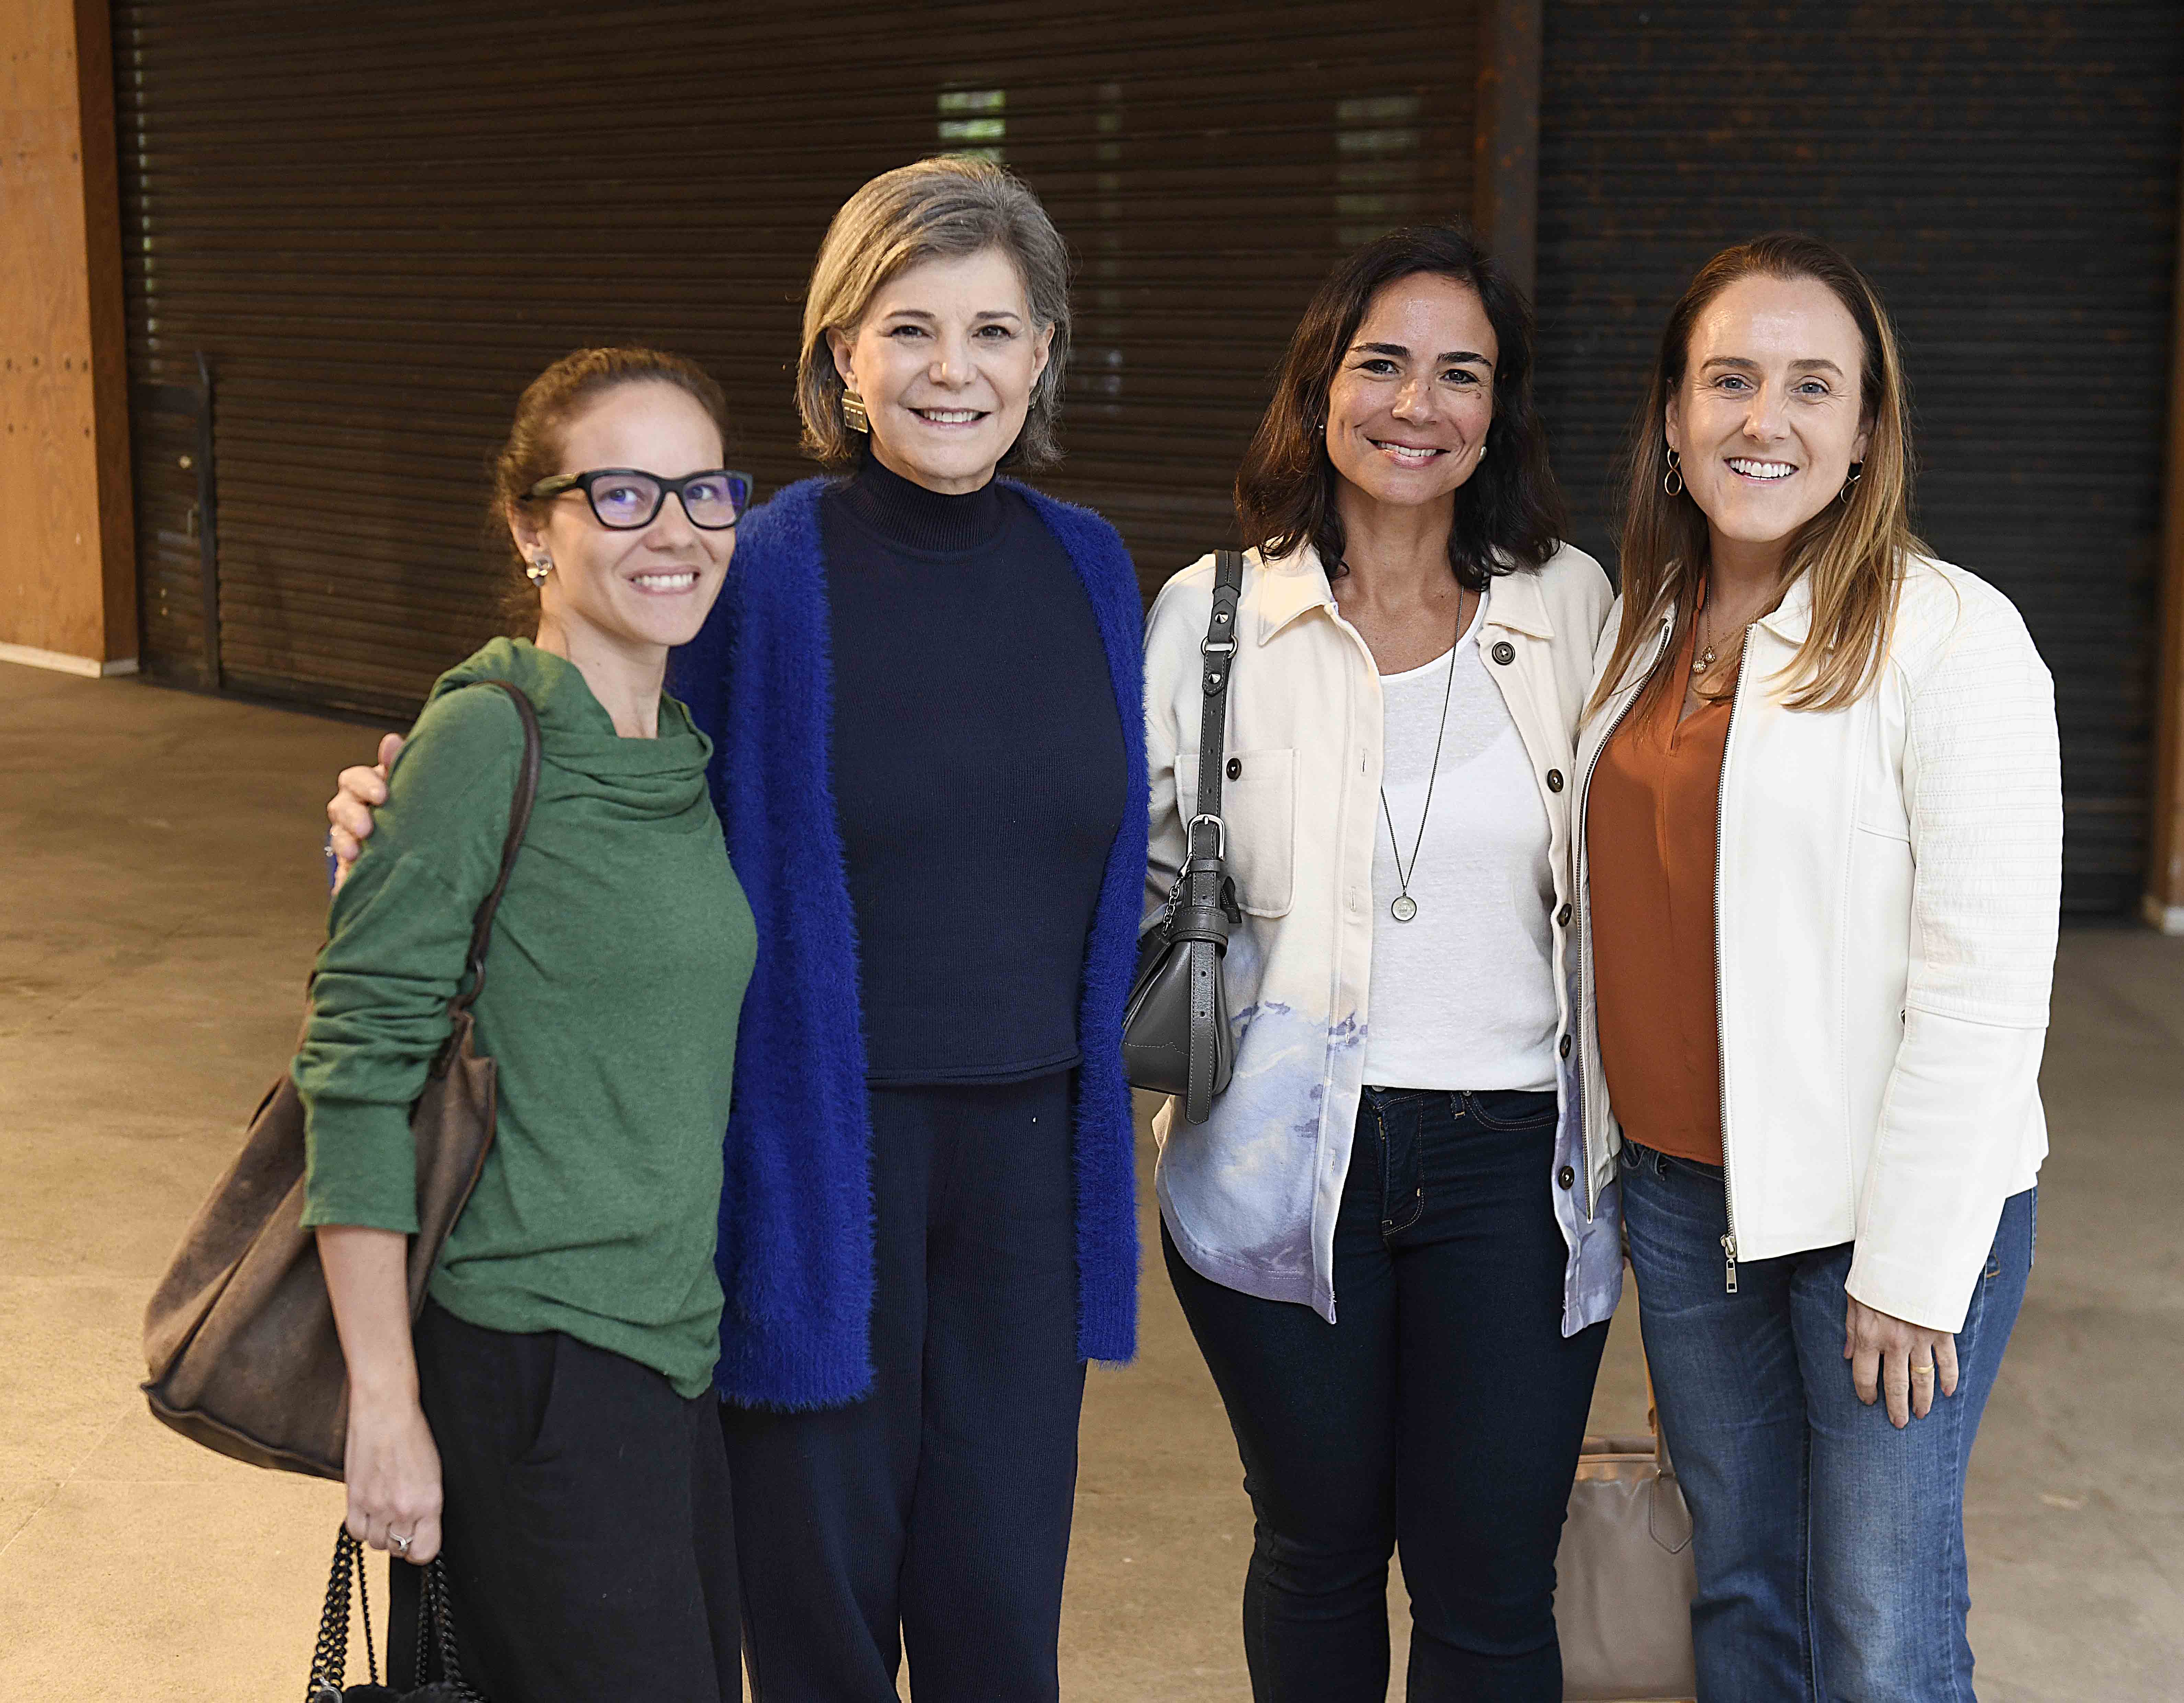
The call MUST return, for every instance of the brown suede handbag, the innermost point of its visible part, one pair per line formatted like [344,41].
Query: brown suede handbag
[240,1333]
[1624,1576]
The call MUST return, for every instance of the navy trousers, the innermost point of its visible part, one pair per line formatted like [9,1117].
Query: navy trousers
[934,1515]
[1443,1414]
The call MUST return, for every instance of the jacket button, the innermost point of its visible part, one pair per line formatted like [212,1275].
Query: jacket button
[1566,1177]
[1554,780]
[1564,1047]
[1505,653]
[1235,768]
[1562,917]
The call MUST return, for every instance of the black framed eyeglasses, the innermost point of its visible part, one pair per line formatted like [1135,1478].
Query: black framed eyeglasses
[625,499]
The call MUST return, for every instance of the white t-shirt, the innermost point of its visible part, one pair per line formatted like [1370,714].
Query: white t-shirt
[1462,995]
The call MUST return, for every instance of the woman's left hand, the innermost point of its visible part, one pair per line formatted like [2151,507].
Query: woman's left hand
[1903,1360]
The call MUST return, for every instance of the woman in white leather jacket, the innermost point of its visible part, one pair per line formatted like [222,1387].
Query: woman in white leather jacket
[1818,838]
[1402,1137]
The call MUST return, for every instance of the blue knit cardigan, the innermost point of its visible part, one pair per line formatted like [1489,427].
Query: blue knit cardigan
[795,1250]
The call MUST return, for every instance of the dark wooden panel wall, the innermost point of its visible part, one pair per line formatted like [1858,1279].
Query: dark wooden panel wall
[376,224]
[2007,175]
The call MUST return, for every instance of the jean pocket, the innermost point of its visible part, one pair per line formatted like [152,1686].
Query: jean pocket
[1511,1109]
[1402,1176]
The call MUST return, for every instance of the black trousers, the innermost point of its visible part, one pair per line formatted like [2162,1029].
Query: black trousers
[588,1531]
[934,1515]
[1442,1414]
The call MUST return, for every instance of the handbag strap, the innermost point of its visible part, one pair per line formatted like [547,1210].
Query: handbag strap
[518,820]
[1208,909]
[1216,654]
[436,1631]
[329,1655]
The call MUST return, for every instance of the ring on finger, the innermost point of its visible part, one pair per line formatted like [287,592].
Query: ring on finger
[400,1543]
[1925,1372]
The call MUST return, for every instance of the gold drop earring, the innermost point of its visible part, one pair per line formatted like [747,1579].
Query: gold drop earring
[853,410]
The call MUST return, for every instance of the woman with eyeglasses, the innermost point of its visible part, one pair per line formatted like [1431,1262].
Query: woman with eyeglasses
[925,686]
[549,1423]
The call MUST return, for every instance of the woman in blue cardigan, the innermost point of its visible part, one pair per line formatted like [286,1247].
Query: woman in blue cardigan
[924,685]
[924,691]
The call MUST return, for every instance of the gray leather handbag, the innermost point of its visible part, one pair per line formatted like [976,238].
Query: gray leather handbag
[1624,1577]
[1176,1038]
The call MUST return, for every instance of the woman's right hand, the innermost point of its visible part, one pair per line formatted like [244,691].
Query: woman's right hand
[393,1470]
[348,812]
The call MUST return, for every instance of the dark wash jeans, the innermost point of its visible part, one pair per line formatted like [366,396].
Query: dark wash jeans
[1442,1414]
[1830,1546]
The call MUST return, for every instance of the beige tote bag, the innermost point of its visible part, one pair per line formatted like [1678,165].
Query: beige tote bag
[1625,1579]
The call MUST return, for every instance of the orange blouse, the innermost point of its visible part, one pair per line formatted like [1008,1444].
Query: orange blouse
[1650,819]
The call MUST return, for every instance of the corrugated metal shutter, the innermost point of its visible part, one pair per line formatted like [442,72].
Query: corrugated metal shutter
[379,222]
[2007,175]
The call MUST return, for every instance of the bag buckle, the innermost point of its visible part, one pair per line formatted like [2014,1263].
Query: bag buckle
[1220,835]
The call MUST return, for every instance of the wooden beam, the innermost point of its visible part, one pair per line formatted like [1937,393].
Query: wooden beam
[2163,904]
[1505,151]
[68,582]
[103,300]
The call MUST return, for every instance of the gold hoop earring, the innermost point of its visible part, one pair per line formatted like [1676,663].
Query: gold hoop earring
[853,411]
[538,567]
[1857,472]
[1672,481]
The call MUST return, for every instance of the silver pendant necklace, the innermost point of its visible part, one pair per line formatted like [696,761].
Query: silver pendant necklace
[1402,908]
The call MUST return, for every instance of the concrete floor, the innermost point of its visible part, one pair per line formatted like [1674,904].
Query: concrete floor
[161,895]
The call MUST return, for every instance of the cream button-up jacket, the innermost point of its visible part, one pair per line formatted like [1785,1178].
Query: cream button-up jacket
[1250,1196]
[1884,923]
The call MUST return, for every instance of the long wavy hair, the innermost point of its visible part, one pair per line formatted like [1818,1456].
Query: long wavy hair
[1853,552]
[1508,513]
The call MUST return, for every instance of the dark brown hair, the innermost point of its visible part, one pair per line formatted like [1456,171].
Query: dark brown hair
[549,402]
[1853,550]
[1509,514]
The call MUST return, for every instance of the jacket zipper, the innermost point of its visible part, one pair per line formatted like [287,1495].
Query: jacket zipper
[1720,1005]
[1584,903]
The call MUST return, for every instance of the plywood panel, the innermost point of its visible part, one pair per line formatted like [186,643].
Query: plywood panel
[66,572]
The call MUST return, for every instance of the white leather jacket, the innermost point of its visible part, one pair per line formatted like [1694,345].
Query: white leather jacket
[1250,1196]
[1885,901]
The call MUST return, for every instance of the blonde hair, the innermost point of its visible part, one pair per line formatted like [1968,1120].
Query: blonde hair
[950,205]
[1853,552]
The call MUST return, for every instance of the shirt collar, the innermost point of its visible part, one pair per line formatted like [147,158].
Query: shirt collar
[1518,605]
[1289,585]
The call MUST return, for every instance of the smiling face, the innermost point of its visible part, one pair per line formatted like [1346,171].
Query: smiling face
[1408,409]
[945,359]
[1768,418]
[650,586]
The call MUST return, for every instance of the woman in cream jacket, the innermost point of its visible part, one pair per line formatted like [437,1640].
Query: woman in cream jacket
[1395,1245]
[1819,831]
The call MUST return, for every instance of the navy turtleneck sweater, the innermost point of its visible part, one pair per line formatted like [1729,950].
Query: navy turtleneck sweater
[978,774]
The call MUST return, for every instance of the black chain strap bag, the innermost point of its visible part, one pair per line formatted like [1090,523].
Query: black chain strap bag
[1176,1037]
[435,1633]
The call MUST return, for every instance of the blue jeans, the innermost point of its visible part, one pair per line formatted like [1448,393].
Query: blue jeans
[1830,1546]
[1442,1414]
